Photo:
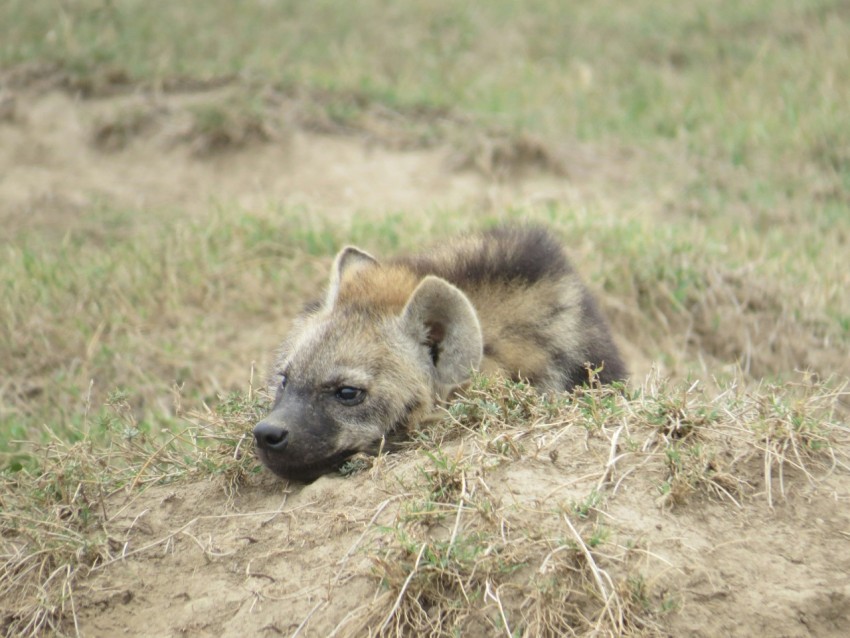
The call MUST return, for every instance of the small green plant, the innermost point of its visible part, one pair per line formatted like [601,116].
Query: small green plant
[583,509]
[231,125]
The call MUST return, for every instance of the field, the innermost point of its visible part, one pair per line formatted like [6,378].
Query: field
[175,179]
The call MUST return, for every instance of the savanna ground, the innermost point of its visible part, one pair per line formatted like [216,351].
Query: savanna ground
[174,181]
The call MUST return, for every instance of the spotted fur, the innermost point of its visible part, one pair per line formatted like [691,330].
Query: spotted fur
[391,339]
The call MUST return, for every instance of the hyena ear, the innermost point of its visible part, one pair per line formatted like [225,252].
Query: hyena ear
[346,259]
[440,316]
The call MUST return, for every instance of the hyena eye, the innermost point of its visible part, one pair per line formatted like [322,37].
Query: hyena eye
[282,383]
[350,396]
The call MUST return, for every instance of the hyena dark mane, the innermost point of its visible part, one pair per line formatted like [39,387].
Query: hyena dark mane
[510,254]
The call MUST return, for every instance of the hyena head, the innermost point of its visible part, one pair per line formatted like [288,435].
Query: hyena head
[370,360]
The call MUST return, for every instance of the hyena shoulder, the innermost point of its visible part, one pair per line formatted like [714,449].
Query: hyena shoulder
[390,339]
[538,320]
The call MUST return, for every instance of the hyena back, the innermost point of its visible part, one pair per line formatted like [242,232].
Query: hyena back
[390,340]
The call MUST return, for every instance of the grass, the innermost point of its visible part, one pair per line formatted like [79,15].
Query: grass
[749,98]
[708,142]
[229,126]
[149,314]
[150,308]
[57,521]
[750,87]
[658,75]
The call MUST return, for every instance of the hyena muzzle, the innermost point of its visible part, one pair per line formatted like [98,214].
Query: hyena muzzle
[390,340]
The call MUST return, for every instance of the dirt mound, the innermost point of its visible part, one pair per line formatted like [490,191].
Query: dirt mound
[660,519]
[279,558]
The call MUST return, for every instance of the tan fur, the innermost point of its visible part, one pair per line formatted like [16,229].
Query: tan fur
[382,289]
[503,307]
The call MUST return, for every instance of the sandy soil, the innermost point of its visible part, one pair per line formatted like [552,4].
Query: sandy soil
[280,556]
[60,151]
[279,559]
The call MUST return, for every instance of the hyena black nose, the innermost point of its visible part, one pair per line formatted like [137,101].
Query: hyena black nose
[270,437]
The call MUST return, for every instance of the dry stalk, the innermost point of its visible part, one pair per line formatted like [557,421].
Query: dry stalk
[403,589]
[597,574]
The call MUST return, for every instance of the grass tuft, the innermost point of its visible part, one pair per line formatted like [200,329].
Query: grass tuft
[230,125]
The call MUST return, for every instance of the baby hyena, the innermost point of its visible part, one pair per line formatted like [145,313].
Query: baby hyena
[391,339]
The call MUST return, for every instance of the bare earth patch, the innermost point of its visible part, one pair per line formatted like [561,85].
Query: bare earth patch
[188,150]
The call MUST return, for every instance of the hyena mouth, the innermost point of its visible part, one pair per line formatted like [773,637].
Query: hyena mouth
[306,472]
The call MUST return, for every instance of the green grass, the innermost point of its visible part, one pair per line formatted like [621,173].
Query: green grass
[737,83]
[750,97]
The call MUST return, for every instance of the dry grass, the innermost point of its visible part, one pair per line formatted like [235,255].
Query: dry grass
[57,524]
[228,126]
[117,132]
[461,558]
